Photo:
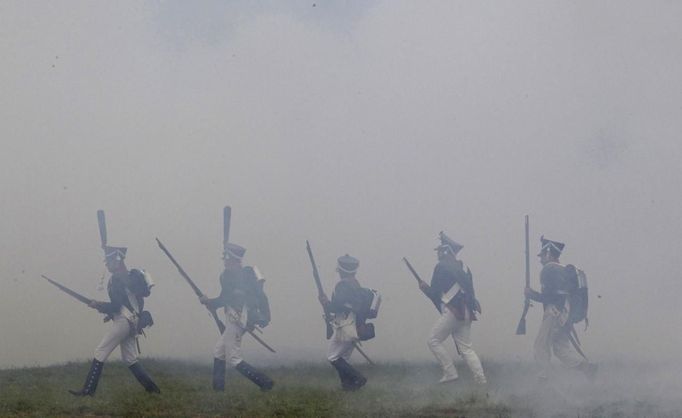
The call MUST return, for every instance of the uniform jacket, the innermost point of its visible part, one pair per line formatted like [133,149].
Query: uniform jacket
[240,288]
[116,288]
[445,275]
[553,286]
[346,297]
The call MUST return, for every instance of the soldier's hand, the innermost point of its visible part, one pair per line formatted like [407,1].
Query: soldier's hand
[528,292]
[94,304]
[203,299]
[423,286]
[323,299]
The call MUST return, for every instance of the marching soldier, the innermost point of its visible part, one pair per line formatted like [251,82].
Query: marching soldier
[241,296]
[351,306]
[556,330]
[452,291]
[127,290]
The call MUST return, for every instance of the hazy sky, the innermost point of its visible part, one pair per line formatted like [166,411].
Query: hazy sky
[365,127]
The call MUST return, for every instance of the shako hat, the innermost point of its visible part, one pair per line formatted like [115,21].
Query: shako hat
[448,244]
[554,247]
[348,264]
[114,253]
[234,251]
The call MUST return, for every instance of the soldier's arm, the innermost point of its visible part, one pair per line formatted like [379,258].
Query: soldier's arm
[550,278]
[341,298]
[435,290]
[534,295]
[215,303]
[117,297]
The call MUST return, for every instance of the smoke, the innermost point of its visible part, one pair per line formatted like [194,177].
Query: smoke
[365,128]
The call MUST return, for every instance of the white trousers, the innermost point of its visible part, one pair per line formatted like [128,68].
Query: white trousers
[552,338]
[119,335]
[460,330]
[339,349]
[229,346]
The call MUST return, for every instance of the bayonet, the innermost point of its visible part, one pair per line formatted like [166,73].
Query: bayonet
[73,294]
[227,220]
[68,291]
[521,328]
[101,221]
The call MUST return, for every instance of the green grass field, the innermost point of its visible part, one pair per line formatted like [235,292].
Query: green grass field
[402,390]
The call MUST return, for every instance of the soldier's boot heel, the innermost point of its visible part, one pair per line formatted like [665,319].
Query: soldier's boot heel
[351,379]
[218,375]
[256,376]
[144,379]
[91,380]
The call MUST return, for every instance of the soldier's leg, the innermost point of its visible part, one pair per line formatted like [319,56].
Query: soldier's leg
[233,351]
[338,354]
[118,332]
[129,356]
[569,356]
[218,381]
[543,343]
[145,380]
[440,331]
[91,380]
[462,337]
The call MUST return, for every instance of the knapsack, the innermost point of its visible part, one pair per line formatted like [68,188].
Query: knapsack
[576,285]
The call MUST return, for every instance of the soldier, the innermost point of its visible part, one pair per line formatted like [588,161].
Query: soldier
[241,289]
[555,330]
[452,291]
[351,305]
[127,290]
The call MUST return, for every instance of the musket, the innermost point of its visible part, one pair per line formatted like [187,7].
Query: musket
[419,281]
[69,292]
[521,328]
[227,220]
[199,293]
[325,308]
[102,223]
[320,292]
[73,294]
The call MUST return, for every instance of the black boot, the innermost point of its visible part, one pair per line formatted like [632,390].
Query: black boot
[351,379]
[218,375]
[144,379]
[91,380]
[257,377]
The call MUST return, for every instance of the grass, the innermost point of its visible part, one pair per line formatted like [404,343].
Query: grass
[401,390]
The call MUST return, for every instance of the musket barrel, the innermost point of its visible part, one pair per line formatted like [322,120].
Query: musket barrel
[521,327]
[68,291]
[195,288]
[320,292]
